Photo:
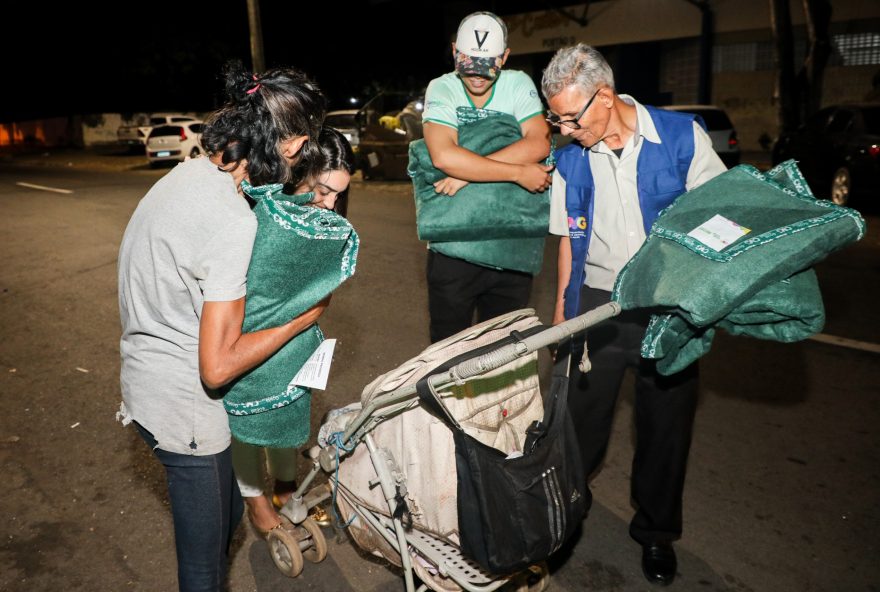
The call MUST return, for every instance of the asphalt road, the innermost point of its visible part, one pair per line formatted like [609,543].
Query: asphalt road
[783,489]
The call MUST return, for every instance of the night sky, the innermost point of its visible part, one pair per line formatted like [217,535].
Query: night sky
[133,55]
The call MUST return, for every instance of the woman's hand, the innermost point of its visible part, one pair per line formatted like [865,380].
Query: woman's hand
[309,317]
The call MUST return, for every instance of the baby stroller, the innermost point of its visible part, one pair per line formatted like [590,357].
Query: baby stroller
[392,464]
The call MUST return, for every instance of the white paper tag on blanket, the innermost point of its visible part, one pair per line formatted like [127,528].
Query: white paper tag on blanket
[315,371]
[718,232]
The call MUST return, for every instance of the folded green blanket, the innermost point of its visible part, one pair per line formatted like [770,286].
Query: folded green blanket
[788,232]
[516,254]
[752,285]
[300,255]
[785,311]
[499,225]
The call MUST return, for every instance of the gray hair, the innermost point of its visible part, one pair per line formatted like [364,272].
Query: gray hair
[580,65]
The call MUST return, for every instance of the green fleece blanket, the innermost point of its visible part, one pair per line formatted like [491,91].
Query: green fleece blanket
[751,286]
[300,255]
[498,225]
[785,311]
[516,254]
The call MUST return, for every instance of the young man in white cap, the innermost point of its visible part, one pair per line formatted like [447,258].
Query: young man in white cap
[456,288]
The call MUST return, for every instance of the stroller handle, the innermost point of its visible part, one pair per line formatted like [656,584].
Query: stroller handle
[488,361]
[507,353]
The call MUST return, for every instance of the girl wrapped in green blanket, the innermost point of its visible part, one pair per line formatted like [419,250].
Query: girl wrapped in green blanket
[303,250]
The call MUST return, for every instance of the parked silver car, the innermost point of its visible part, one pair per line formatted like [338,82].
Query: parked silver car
[720,129]
[174,142]
[137,134]
[345,122]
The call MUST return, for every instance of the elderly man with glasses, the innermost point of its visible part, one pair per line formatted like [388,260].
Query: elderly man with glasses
[627,162]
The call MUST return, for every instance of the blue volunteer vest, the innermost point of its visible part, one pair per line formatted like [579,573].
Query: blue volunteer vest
[661,175]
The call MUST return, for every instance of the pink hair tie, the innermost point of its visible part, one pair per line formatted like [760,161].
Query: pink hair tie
[255,88]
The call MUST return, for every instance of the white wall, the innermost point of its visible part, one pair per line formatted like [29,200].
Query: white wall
[100,129]
[633,21]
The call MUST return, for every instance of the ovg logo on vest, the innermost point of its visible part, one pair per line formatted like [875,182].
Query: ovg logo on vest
[577,227]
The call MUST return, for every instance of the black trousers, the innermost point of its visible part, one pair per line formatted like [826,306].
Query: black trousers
[664,415]
[457,289]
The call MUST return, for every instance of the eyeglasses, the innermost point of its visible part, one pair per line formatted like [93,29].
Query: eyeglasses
[553,119]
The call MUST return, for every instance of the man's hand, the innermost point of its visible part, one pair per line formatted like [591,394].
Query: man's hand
[508,165]
[534,177]
[449,186]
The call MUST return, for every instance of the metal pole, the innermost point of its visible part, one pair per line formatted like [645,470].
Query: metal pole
[257,58]
[386,482]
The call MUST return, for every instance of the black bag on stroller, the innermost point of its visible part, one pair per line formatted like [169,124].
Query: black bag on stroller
[514,511]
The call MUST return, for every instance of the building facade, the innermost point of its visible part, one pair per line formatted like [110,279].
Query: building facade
[654,48]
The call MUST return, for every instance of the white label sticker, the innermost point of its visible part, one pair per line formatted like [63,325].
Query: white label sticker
[718,232]
[315,371]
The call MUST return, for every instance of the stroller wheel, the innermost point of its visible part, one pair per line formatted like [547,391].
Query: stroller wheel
[534,578]
[318,551]
[284,548]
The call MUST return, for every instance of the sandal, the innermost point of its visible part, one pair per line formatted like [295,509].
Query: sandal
[261,532]
[277,502]
[282,492]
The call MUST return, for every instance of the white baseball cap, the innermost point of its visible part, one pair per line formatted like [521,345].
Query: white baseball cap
[480,45]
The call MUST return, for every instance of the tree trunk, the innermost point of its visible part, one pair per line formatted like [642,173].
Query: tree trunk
[811,76]
[707,38]
[784,93]
[707,35]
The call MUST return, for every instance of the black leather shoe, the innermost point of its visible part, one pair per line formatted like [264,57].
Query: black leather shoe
[659,563]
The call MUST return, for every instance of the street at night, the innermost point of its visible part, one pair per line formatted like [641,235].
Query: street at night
[782,482]
[185,187]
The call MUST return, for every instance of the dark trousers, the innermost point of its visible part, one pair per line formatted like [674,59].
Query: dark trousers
[664,415]
[457,289]
[206,506]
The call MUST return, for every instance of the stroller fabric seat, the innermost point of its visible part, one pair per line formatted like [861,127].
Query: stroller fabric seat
[495,408]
